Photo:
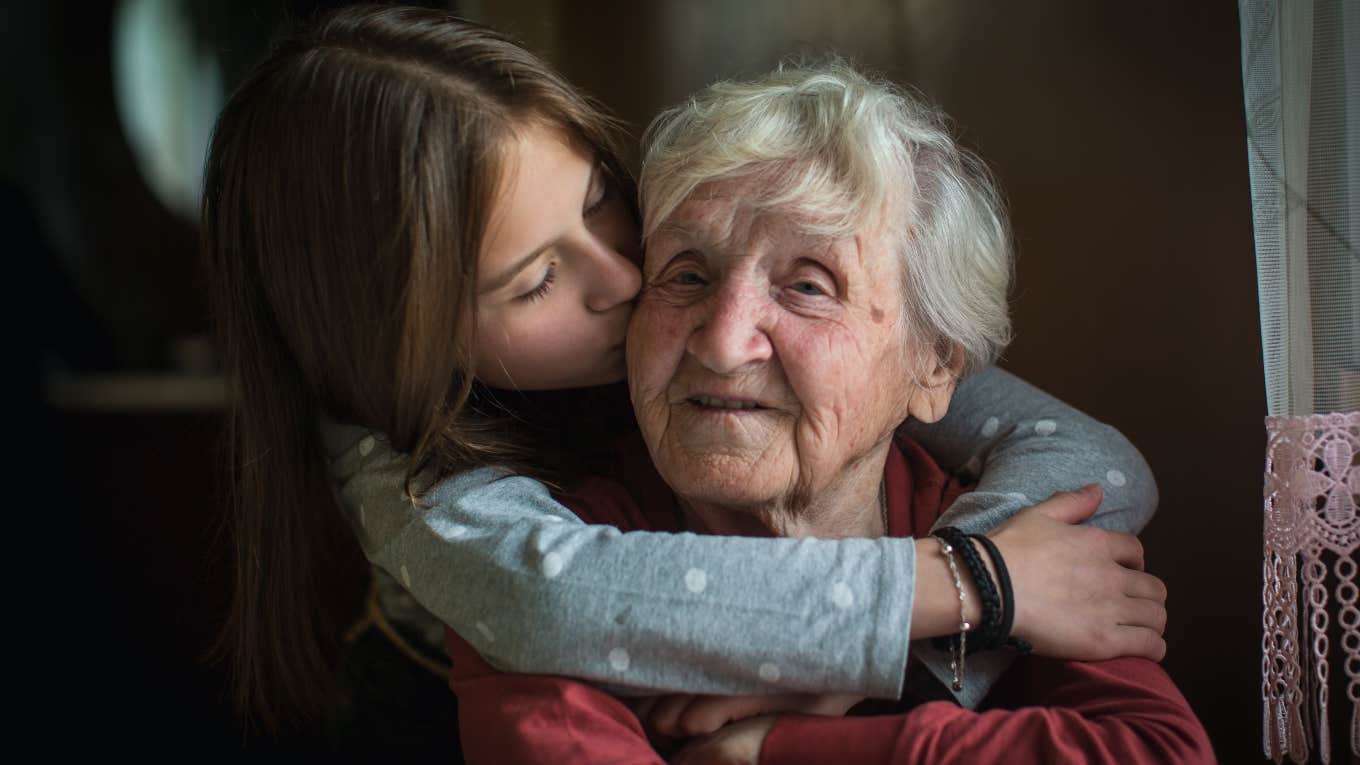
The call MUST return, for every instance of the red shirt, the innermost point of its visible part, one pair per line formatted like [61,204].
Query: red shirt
[1041,711]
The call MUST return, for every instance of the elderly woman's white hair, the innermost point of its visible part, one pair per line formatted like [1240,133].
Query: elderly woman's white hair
[842,153]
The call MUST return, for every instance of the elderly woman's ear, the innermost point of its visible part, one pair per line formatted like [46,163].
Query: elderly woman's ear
[937,375]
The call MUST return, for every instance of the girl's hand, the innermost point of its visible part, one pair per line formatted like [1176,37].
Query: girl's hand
[737,743]
[686,716]
[1080,591]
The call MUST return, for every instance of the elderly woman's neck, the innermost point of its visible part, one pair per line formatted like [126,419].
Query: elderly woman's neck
[851,505]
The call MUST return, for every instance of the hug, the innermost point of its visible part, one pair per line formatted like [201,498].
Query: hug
[431,280]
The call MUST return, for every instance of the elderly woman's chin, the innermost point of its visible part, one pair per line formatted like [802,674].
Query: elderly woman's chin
[745,464]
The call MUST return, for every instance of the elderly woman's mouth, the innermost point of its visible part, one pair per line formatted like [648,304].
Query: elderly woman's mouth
[716,402]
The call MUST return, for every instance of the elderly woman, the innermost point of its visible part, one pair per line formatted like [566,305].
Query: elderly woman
[822,264]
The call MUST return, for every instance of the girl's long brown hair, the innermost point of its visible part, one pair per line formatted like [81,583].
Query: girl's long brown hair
[346,190]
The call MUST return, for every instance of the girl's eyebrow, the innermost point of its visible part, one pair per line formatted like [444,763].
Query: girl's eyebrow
[506,276]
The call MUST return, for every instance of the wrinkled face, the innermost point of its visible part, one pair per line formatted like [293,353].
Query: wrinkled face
[557,276]
[764,361]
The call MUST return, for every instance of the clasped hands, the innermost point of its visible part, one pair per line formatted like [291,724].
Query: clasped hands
[1081,594]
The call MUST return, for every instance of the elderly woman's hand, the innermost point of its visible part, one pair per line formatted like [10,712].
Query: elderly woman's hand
[736,743]
[1080,591]
[685,715]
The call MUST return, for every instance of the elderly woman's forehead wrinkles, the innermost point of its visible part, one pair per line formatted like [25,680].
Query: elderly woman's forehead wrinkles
[674,229]
[699,218]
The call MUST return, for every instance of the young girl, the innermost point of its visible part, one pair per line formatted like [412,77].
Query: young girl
[416,228]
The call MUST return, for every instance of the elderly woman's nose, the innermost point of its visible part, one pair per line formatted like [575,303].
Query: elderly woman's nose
[731,332]
[613,279]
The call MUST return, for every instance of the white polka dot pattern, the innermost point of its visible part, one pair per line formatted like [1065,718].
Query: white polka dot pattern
[486,632]
[445,527]
[696,580]
[973,467]
[553,564]
[769,672]
[619,660]
[1045,427]
[842,596]
[366,445]
[1116,478]
[405,576]
[990,427]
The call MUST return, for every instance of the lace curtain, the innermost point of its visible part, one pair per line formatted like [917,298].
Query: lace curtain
[1301,75]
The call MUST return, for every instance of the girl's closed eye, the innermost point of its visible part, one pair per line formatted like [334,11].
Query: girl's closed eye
[537,293]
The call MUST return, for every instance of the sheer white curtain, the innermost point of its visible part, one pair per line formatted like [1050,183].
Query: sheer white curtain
[1301,74]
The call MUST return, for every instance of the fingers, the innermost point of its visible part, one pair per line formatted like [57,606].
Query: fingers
[1072,506]
[664,715]
[1139,641]
[1126,549]
[1141,612]
[707,714]
[687,715]
[1142,585]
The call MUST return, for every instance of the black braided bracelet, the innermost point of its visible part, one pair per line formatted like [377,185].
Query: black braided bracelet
[988,633]
[1003,578]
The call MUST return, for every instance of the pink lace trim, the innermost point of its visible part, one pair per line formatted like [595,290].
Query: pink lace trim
[1311,493]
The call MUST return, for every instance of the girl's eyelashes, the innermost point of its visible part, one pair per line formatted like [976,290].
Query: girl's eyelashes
[600,192]
[538,292]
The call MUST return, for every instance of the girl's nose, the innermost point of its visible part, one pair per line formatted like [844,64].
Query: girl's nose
[614,279]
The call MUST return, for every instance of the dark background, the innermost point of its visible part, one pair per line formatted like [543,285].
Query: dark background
[1116,130]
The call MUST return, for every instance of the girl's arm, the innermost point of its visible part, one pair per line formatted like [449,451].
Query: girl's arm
[1024,445]
[538,591]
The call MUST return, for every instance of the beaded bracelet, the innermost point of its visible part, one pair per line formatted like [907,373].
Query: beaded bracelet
[989,634]
[958,646]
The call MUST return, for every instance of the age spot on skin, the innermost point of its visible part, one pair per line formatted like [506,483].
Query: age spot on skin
[876,314]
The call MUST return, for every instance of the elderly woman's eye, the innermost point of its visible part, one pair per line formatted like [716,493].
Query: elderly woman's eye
[808,288]
[688,279]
